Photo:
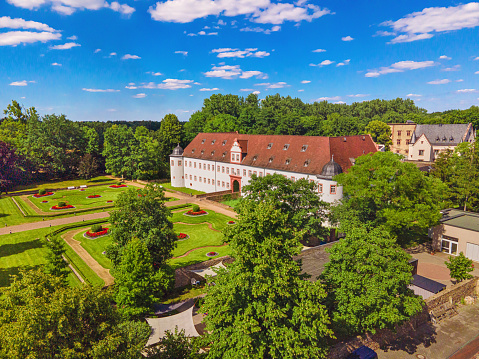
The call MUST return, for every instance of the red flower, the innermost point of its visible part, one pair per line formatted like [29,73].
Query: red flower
[97,234]
[231,222]
[37,195]
[94,196]
[64,207]
[191,213]
[118,185]
[182,236]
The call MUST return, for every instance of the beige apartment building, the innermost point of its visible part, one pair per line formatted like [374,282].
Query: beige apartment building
[401,136]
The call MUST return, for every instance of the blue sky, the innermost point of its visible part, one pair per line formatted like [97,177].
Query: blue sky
[139,60]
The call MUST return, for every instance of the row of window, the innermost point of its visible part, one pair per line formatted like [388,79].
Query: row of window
[408,133]
[398,142]
[209,181]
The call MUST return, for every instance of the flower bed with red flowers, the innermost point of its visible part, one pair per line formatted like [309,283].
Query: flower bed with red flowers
[183,236]
[68,206]
[191,213]
[118,186]
[82,189]
[103,232]
[37,195]
[211,254]
[110,201]
[231,222]
[94,196]
[44,201]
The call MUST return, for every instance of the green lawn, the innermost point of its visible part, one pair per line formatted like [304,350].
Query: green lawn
[200,236]
[181,189]
[64,184]
[232,202]
[95,246]
[218,220]
[198,256]
[24,250]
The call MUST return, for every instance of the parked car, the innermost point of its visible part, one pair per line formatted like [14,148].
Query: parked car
[363,353]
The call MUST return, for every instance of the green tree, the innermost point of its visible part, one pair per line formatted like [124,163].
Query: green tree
[88,166]
[382,190]
[367,280]
[119,151]
[40,318]
[56,264]
[261,306]
[10,173]
[138,284]
[175,345]
[299,200]
[460,267]
[170,135]
[142,214]
[380,132]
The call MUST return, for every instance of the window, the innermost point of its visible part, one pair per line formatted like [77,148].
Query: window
[195,178]
[421,152]
[271,159]
[306,163]
[218,168]
[255,158]
[238,158]
[212,153]
[193,150]
[399,133]
[179,163]
[408,133]
[407,151]
[269,146]
[407,142]
[285,147]
[261,174]
[203,141]
[212,167]
[223,169]
[293,179]
[222,184]
[249,173]
[227,170]
[190,163]
[202,151]
[333,189]
[449,245]
[199,165]
[218,183]
[190,178]
[255,173]
[288,161]
[208,167]
[199,178]
[224,142]
[213,142]
[436,152]
[320,188]
[303,149]
[244,172]
[398,142]
[227,185]
[209,180]
[172,162]
[195,164]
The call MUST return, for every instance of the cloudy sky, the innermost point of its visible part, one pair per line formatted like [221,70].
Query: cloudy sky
[139,60]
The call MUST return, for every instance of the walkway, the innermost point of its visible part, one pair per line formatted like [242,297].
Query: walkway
[100,271]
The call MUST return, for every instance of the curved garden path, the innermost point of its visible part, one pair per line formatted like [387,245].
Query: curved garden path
[100,271]
[210,226]
[195,249]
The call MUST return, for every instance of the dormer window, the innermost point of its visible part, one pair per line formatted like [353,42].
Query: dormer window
[212,153]
[224,154]
[193,150]
[255,158]
[451,139]
[203,141]
[269,146]
[271,159]
[213,142]
[438,138]
[444,139]
[202,151]
[303,149]
[288,161]
[286,146]
[224,142]
[306,163]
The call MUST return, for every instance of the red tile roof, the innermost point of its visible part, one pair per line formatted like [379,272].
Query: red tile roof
[316,151]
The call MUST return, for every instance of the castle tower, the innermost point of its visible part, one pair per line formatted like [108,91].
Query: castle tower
[177,171]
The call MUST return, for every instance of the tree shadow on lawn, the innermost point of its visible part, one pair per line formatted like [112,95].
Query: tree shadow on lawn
[107,180]
[6,273]
[17,248]
[425,334]
[4,215]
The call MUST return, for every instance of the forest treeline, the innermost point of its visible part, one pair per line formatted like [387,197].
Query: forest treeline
[34,147]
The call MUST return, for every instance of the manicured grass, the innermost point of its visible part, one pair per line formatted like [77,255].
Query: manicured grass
[200,236]
[181,189]
[64,184]
[232,202]
[198,256]
[85,271]
[180,294]
[24,250]
[10,214]
[95,246]
[218,220]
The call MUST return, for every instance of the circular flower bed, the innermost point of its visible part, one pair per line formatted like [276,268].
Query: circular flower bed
[38,195]
[44,201]
[118,186]
[103,232]
[109,201]
[211,254]
[198,213]
[94,196]
[68,206]
[182,236]
[82,189]
[231,222]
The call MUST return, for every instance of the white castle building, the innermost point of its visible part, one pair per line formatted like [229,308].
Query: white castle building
[215,162]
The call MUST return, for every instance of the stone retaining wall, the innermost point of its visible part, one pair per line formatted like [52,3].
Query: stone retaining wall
[183,275]
[223,197]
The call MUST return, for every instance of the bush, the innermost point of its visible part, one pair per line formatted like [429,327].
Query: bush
[460,267]
[62,204]
[42,191]
[119,183]
[196,208]
[96,228]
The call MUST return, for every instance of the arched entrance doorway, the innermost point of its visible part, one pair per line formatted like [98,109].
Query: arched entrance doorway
[236,186]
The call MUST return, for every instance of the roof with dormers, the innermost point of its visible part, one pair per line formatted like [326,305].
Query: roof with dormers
[302,154]
[442,134]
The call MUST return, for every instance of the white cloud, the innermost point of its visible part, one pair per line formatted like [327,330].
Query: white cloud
[423,24]
[14,38]
[347,38]
[319,50]
[276,85]
[202,33]
[301,90]
[9,23]
[467,91]
[96,51]
[305,82]
[229,52]
[256,92]
[384,33]
[247,90]
[444,57]
[68,7]
[400,66]
[230,72]
[476,73]
[340,102]
[168,84]
[413,95]
[260,29]
[460,80]
[100,90]
[184,53]
[334,98]
[323,63]
[439,82]
[113,54]
[476,59]
[139,95]
[454,68]
[359,95]
[20,83]
[56,64]
[212,89]
[345,62]
[260,11]
[155,73]
[73,38]
[130,57]
[66,46]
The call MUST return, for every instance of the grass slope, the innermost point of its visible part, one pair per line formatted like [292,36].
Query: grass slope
[198,256]
[64,184]
[95,246]
[200,236]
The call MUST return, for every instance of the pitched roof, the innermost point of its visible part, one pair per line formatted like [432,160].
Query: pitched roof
[442,134]
[303,154]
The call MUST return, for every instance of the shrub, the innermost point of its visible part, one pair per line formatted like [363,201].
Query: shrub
[96,228]
[460,267]
[119,183]
[62,204]
[42,191]
[195,208]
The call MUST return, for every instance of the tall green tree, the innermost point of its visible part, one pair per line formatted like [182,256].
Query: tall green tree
[142,214]
[119,150]
[170,135]
[382,190]
[138,284]
[56,264]
[40,318]
[10,173]
[261,306]
[380,132]
[175,345]
[367,280]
